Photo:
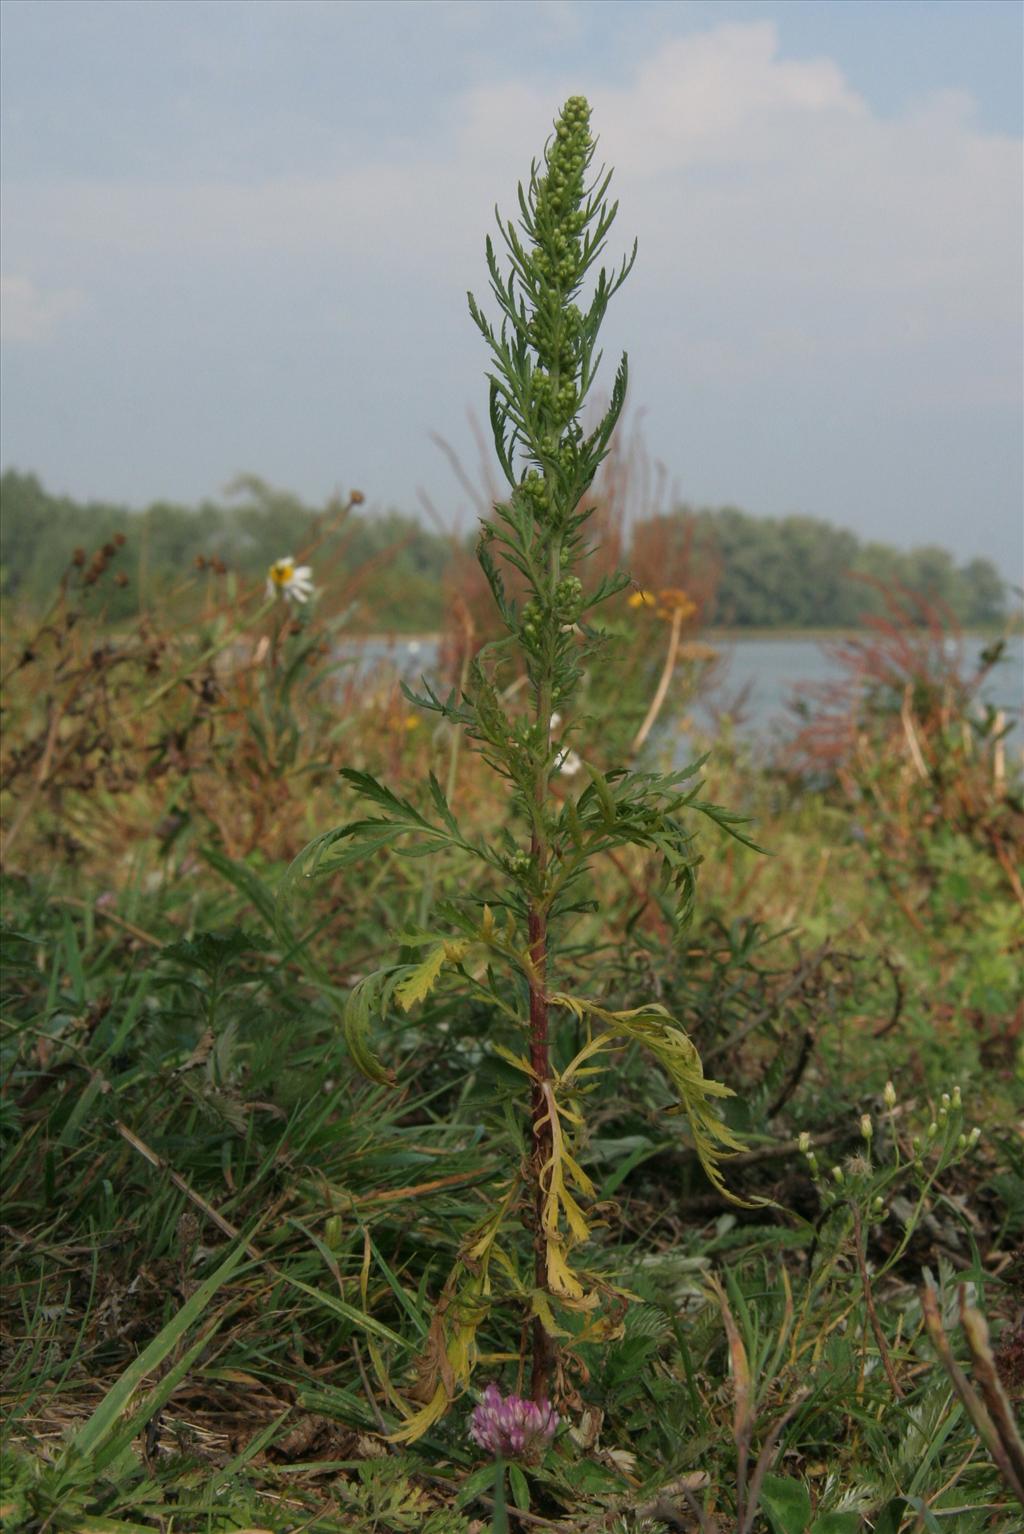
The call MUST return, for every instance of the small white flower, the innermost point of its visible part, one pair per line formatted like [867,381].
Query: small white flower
[287,579]
[567,761]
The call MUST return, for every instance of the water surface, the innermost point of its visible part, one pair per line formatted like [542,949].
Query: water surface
[756,680]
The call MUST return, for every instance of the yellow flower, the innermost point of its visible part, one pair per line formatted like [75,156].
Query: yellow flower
[669,601]
[672,601]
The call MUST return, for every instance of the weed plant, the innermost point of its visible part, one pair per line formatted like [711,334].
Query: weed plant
[227,1252]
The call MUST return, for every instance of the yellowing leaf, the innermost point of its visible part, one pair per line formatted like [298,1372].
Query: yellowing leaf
[422,1421]
[561,1278]
[540,1306]
[574,1217]
[519,1061]
[656,1029]
[418,984]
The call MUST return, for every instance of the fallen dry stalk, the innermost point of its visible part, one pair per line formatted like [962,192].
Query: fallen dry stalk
[990,1410]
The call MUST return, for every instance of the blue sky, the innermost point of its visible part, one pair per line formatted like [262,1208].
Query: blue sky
[237,236]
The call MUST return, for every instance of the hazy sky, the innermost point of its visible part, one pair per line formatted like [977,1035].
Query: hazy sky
[238,236]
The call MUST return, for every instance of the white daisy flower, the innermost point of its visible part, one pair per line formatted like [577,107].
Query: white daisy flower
[287,579]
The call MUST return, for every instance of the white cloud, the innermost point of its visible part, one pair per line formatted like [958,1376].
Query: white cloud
[30,316]
[731,160]
[807,266]
[756,180]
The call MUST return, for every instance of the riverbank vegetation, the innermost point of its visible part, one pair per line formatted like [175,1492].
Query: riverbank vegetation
[175,1073]
[314,1198]
[746,572]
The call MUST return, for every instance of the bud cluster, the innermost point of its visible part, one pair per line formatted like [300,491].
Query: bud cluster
[558,218]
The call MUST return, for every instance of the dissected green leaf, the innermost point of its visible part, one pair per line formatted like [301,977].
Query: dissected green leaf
[361,1007]
[654,1028]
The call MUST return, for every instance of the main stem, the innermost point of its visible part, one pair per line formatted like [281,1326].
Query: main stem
[543,1345]
[543,1360]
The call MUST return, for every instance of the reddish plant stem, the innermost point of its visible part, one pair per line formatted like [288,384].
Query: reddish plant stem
[543,1346]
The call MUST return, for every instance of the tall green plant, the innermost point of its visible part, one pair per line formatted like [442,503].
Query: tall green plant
[543,361]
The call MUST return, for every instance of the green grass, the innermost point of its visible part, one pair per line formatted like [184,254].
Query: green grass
[223,1246]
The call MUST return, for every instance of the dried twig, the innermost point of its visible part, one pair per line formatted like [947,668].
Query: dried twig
[992,1416]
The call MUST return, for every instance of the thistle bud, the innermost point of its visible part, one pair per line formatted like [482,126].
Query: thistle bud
[957,1100]
[973,1137]
[804,1141]
[867,1129]
[837,1175]
[889,1096]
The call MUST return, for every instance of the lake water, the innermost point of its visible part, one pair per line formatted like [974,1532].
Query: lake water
[775,669]
[762,674]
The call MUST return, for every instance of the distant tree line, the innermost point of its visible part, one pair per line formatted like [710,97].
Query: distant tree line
[800,572]
[792,572]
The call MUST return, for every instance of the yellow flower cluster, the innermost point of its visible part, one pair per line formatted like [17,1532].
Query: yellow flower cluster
[668,602]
